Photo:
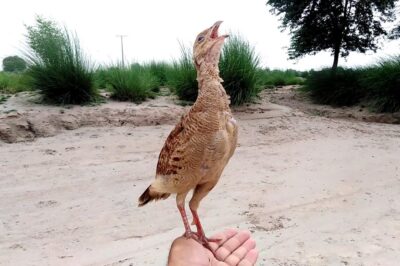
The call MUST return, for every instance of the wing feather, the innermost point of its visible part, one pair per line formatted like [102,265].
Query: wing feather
[171,152]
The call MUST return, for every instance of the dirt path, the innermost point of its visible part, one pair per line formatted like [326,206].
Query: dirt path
[313,190]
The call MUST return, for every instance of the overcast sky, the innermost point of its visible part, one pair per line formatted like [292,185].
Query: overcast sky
[155,27]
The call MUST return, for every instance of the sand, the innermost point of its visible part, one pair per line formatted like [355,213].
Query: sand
[314,190]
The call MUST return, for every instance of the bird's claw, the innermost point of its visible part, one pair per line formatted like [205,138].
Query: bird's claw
[202,239]
[205,239]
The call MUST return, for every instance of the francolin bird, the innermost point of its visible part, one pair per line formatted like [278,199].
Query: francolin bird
[201,144]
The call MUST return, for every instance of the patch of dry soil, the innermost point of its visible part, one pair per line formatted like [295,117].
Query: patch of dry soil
[312,190]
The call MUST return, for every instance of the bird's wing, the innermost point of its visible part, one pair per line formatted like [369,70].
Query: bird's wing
[186,144]
[172,151]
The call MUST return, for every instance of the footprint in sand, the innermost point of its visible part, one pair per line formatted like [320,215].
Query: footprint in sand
[49,151]
[17,246]
[46,203]
[99,147]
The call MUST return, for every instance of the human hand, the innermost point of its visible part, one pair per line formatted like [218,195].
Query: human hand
[234,249]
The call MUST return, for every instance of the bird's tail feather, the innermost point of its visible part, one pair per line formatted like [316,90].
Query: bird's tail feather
[149,195]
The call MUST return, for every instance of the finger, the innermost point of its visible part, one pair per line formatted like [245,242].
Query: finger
[215,262]
[240,252]
[223,236]
[250,258]
[232,244]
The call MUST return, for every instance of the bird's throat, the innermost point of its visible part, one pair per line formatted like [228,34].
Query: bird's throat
[211,92]
[208,73]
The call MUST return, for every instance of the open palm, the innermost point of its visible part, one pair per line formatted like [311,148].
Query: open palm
[234,249]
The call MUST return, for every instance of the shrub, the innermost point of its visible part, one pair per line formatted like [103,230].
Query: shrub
[147,73]
[13,82]
[4,82]
[100,77]
[339,88]
[159,70]
[239,70]
[134,84]
[182,77]
[58,67]
[14,64]
[382,83]
[281,78]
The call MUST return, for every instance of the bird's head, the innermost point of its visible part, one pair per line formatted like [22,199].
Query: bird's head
[207,46]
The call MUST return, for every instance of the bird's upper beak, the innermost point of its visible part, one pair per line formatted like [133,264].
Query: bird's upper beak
[214,31]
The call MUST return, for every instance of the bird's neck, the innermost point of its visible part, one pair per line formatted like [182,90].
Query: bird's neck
[208,72]
[211,92]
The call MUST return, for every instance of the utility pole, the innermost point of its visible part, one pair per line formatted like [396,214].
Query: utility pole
[122,48]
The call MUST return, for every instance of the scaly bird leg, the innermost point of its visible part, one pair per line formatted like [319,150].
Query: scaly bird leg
[200,231]
[188,231]
[180,202]
[199,193]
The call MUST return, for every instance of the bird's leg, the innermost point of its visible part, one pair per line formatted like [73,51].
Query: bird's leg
[200,231]
[180,202]
[199,193]
[188,231]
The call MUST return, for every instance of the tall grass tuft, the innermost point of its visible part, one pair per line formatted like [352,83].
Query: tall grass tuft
[239,69]
[57,65]
[134,84]
[338,88]
[159,70]
[182,77]
[382,83]
[100,77]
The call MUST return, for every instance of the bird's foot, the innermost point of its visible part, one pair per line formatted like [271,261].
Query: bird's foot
[205,241]
[192,235]
[201,239]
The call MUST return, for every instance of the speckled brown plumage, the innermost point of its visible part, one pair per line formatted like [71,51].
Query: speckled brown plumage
[201,144]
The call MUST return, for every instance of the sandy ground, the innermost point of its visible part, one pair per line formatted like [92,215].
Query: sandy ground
[313,190]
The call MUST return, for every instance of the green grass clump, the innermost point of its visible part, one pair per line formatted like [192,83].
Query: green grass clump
[13,82]
[100,77]
[377,86]
[159,70]
[382,83]
[134,84]
[58,67]
[272,78]
[338,88]
[239,69]
[182,77]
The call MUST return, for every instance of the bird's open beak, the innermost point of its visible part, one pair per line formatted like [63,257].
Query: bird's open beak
[214,31]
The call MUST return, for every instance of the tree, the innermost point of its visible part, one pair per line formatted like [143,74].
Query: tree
[340,26]
[395,33]
[14,64]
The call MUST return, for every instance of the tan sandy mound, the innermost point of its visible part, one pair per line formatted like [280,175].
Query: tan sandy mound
[22,119]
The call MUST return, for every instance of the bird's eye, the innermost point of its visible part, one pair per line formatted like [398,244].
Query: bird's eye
[200,39]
